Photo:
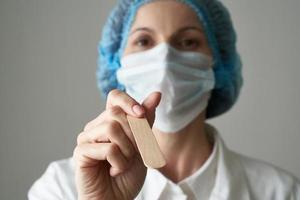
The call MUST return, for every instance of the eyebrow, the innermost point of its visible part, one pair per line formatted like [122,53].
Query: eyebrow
[178,31]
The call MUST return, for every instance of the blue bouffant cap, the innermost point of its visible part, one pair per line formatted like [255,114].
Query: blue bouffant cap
[220,34]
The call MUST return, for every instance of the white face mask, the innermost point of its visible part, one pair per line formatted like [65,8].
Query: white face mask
[185,80]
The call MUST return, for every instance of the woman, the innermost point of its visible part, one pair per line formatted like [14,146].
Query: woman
[175,63]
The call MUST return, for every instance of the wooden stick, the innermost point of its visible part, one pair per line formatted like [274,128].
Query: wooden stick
[146,142]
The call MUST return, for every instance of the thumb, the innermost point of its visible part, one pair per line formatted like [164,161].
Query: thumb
[150,104]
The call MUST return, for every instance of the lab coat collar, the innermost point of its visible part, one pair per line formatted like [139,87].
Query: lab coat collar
[153,191]
[231,182]
[202,181]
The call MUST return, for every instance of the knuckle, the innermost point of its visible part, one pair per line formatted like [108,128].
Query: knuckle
[115,111]
[113,126]
[113,93]
[113,149]
[87,126]
[113,134]
[94,122]
[79,138]
[76,151]
[123,98]
[128,103]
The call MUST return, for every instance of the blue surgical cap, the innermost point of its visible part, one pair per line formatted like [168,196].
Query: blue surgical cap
[220,34]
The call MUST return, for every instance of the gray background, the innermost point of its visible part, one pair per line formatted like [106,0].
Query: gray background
[48,89]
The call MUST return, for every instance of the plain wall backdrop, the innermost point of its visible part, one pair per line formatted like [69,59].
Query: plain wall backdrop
[48,52]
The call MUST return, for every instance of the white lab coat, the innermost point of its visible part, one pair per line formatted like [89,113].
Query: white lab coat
[238,178]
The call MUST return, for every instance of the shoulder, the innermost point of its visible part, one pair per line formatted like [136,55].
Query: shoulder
[57,182]
[265,178]
[243,177]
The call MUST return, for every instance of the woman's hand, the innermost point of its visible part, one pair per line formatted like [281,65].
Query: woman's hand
[108,164]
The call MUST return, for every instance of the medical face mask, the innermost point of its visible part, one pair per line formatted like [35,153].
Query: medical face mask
[185,80]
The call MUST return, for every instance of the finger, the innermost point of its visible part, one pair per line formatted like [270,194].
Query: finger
[113,111]
[87,153]
[127,103]
[109,132]
[94,122]
[150,104]
[116,113]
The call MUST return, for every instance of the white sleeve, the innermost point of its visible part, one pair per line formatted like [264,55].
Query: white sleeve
[296,190]
[57,183]
[47,186]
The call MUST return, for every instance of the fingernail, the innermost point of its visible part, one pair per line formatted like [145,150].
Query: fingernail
[114,171]
[138,110]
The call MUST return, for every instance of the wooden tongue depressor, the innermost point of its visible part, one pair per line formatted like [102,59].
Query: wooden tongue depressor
[146,142]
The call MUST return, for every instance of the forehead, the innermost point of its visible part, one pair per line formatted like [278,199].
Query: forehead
[166,14]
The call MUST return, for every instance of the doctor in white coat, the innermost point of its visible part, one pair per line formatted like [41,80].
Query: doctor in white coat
[175,63]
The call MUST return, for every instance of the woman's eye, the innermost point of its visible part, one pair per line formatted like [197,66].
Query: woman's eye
[189,44]
[143,42]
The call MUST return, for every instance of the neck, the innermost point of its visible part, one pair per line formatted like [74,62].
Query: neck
[185,151]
